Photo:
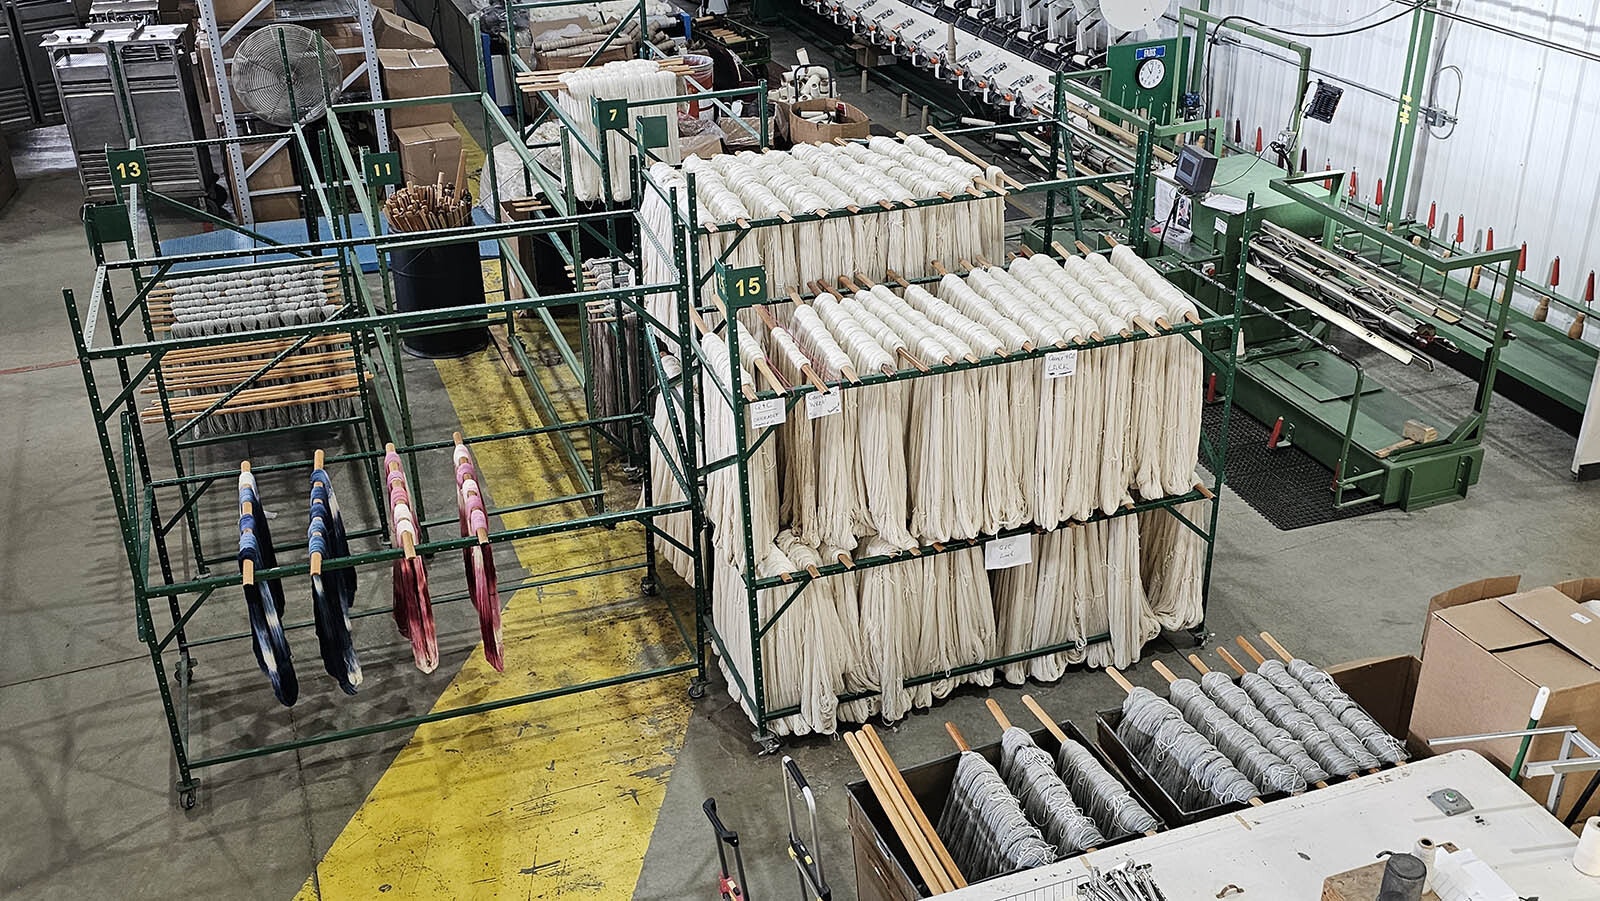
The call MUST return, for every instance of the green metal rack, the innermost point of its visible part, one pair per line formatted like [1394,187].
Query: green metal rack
[1215,336]
[114,330]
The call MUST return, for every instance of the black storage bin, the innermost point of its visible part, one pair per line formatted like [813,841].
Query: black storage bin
[1146,787]
[437,278]
[550,267]
[884,871]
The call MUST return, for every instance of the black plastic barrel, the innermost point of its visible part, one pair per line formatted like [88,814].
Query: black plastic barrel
[437,278]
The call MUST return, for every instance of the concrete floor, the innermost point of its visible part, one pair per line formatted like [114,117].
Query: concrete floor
[84,760]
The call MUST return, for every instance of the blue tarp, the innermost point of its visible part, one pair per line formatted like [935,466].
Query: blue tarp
[291,232]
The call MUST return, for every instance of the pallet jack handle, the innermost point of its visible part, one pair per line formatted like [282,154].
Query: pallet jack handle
[813,885]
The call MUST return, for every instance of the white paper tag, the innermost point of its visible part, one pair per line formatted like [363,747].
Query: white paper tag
[1221,225]
[1060,364]
[765,413]
[1582,619]
[1004,553]
[819,405]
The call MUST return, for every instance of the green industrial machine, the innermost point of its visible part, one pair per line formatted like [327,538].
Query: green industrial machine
[1149,75]
[1540,365]
[1335,303]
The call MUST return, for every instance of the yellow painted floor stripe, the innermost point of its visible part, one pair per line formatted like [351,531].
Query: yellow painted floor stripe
[557,798]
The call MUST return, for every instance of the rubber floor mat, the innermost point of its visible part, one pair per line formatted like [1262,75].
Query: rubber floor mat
[1286,485]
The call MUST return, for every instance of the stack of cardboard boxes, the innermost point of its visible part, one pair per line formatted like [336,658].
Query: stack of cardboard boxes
[411,66]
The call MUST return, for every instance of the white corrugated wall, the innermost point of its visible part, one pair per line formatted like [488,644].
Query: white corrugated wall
[1523,158]
[1258,91]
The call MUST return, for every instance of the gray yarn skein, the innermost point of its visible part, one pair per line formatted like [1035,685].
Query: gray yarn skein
[1180,759]
[1273,671]
[1384,746]
[1266,770]
[1101,795]
[226,303]
[984,827]
[1237,705]
[1279,709]
[1045,798]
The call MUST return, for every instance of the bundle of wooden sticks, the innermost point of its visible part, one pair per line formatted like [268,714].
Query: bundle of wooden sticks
[416,208]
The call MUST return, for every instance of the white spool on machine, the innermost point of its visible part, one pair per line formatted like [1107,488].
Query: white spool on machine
[1004,51]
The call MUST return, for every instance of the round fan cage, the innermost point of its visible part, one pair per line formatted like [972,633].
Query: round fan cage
[262,84]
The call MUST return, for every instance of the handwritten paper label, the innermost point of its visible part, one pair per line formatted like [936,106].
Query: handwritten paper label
[1004,553]
[819,405]
[1060,364]
[765,413]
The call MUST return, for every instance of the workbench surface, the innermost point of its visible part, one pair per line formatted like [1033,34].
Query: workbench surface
[1283,850]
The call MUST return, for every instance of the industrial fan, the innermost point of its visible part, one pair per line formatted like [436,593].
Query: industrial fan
[285,74]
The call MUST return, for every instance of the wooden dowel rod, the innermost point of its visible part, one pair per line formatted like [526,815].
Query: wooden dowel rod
[1245,645]
[957,737]
[1044,718]
[1232,661]
[998,714]
[932,875]
[1119,678]
[1276,648]
[941,854]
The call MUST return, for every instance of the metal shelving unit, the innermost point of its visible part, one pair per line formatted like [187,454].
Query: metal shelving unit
[217,41]
[115,331]
[1215,337]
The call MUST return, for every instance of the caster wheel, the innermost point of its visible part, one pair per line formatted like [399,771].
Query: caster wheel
[1200,635]
[186,799]
[697,689]
[769,747]
[649,586]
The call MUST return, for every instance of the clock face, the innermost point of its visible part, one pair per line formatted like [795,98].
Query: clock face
[1151,73]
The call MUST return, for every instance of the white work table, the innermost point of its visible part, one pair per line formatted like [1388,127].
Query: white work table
[1283,850]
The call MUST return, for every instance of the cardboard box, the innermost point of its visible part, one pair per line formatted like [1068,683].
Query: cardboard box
[1386,688]
[346,36]
[856,124]
[1482,589]
[575,57]
[702,146]
[1483,662]
[394,32]
[736,137]
[231,11]
[384,4]
[427,151]
[276,172]
[415,73]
